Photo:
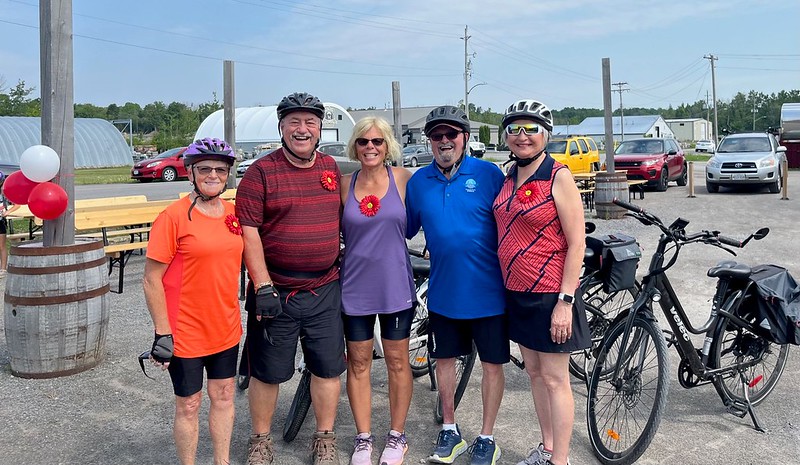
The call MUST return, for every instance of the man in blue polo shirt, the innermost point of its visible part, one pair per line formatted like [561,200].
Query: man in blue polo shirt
[451,199]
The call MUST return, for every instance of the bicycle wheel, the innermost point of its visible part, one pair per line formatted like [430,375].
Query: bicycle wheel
[764,362]
[601,310]
[299,408]
[623,413]
[418,341]
[464,365]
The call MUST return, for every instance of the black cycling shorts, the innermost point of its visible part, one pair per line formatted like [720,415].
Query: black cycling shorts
[394,326]
[3,225]
[187,373]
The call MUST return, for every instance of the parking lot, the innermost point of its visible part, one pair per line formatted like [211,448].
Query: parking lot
[112,414]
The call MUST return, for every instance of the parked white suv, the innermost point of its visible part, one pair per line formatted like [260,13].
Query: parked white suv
[477,149]
[750,158]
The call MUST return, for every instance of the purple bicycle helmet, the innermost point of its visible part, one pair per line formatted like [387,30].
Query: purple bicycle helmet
[300,101]
[208,149]
[447,114]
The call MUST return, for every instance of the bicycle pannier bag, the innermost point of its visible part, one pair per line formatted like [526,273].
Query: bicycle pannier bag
[616,256]
[774,304]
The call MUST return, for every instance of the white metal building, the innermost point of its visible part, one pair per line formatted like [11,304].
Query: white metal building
[690,129]
[259,125]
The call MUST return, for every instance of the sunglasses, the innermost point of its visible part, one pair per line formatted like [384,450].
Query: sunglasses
[206,170]
[377,142]
[516,129]
[451,135]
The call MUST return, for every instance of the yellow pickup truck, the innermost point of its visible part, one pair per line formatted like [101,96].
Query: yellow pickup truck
[577,152]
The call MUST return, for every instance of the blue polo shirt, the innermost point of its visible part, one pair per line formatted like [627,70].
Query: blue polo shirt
[456,215]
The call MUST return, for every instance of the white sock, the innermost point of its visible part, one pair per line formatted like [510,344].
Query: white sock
[487,436]
[449,426]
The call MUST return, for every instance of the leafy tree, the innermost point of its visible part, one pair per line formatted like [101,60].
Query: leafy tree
[484,134]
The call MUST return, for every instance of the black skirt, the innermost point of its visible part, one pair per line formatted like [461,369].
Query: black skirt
[529,318]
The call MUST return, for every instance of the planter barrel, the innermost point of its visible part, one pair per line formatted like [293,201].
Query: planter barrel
[608,186]
[56,308]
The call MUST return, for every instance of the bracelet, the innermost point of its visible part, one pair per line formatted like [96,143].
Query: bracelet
[260,285]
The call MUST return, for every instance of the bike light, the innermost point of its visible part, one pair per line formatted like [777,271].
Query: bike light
[656,296]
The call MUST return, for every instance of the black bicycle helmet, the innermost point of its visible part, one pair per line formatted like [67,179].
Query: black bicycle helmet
[447,114]
[208,149]
[528,109]
[300,101]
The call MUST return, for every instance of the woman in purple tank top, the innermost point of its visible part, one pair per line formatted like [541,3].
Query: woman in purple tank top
[376,283]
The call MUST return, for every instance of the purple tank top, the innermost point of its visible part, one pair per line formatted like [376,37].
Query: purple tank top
[375,271]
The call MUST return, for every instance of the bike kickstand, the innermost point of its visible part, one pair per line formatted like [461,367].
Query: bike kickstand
[750,410]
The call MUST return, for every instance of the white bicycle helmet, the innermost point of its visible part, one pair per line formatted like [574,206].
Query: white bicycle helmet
[529,109]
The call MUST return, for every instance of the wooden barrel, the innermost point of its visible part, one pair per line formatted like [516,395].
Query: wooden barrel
[56,308]
[607,187]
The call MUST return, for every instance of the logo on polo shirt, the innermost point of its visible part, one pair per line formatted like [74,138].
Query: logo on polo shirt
[471,185]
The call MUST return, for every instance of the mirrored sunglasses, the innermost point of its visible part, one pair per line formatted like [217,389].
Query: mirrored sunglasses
[377,142]
[515,129]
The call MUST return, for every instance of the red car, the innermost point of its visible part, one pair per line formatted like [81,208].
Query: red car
[167,166]
[657,161]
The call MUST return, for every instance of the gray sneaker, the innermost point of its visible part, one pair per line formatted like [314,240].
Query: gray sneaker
[323,449]
[537,456]
[260,450]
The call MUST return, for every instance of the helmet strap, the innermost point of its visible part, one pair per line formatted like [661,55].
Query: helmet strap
[203,197]
[522,162]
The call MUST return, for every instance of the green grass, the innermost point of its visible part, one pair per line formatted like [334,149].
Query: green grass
[118,175]
[697,157]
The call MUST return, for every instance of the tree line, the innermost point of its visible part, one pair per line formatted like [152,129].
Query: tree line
[174,124]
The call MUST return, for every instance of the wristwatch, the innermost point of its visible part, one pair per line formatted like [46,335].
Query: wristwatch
[260,285]
[570,299]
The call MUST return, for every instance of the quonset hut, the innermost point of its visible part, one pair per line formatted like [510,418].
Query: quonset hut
[98,144]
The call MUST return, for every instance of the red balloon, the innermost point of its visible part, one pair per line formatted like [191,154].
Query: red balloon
[17,188]
[47,201]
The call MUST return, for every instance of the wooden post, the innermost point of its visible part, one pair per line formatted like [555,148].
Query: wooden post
[691,180]
[229,110]
[785,176]
[58,117]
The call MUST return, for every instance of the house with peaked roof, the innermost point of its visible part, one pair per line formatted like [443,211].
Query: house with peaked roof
[630,127]
[414,123]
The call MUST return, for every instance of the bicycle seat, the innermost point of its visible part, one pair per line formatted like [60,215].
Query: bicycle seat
[420,266]
[730,269]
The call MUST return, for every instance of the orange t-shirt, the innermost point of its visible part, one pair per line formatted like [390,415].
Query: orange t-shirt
[201,283]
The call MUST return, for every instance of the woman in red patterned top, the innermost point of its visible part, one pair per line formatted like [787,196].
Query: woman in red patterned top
[541,242]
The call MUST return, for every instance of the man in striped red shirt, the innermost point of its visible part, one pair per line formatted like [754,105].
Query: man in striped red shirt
[288,203]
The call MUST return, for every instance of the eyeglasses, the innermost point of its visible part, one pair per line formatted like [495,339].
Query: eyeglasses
[377,142]
[516,129]
[206,170]
[451,135]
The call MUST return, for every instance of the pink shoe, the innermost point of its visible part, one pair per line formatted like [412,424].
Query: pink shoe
[362,450]
[395,450]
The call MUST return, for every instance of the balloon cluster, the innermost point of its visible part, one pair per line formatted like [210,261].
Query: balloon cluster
[31,185]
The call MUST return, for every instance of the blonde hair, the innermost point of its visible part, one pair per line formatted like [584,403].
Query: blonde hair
[364,125]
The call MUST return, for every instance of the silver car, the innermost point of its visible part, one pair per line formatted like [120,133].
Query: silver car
[750,158]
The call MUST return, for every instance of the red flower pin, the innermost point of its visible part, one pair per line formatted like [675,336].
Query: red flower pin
[526,192]
[233,224]
[370,205]
[328,180]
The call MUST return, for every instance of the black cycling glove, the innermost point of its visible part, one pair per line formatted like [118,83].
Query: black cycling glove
[268,302]
[163,347]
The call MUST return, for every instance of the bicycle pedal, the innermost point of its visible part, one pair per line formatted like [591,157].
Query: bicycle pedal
[737,409]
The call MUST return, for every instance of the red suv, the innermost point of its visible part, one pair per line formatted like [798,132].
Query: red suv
[166,165]
[656,161]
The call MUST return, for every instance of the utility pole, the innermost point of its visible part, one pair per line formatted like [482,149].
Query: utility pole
[754,113]
[708,120]
[621,108]
[712,59]
[466,72]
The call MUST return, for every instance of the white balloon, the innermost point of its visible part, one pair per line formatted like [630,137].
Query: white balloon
[39,163]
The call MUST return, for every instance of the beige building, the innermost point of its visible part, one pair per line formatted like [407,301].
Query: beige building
[690,129]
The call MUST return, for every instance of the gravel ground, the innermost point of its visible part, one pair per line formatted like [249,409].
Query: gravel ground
[114,415]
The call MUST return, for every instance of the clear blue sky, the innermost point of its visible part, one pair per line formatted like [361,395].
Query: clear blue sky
[349,52]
